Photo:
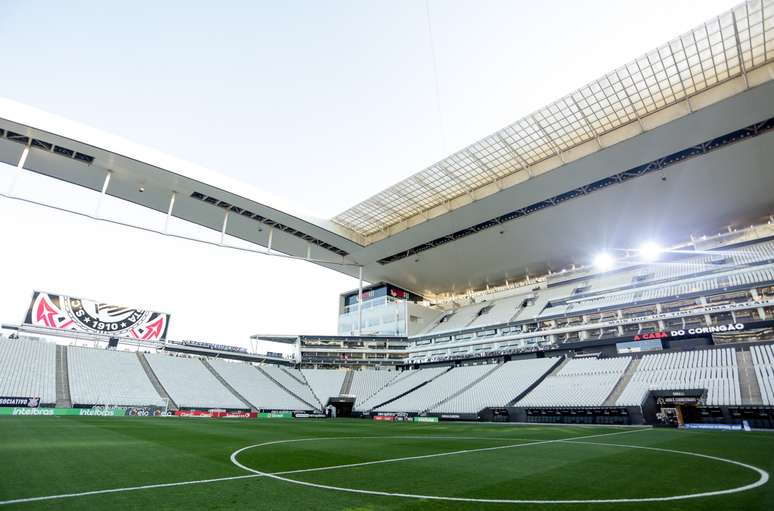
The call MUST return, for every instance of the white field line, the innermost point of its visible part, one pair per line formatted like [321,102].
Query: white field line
[118,490]
[763,477]
[231,478]
[409,458]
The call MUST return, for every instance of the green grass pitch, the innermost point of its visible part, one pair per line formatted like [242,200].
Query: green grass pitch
[364,465]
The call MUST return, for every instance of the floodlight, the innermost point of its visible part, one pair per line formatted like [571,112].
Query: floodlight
[603,261]
[650,251]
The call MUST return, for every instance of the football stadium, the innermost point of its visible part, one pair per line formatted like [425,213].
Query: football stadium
[574,312]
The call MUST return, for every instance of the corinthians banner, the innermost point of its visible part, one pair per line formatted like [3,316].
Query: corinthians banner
[69,313]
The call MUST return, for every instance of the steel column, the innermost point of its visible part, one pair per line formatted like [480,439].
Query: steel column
[169,211]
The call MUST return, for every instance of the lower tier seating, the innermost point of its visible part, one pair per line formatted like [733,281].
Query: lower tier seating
[28,369]
[763,362]
[437,390]
[325,383]
[190,384]
[581,382]
[102,377]
[499,388]
[259,390]
[715,370]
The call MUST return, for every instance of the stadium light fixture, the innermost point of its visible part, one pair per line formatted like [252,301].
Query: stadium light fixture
[650,251]
[604,261]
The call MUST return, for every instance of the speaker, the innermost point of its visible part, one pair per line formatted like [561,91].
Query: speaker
[112,342]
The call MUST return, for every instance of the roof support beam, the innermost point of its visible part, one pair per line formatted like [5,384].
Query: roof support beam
[739,48]
[102,194]
[360,301]
[680,76]
[550,140]
[586,120]
[629,99]
[20,166]
[495,178]
[169,211]
[524,165]
[223,229]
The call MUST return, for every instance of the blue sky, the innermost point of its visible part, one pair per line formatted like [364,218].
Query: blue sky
[294,97]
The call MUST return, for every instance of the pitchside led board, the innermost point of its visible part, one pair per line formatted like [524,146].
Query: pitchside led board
[80,315]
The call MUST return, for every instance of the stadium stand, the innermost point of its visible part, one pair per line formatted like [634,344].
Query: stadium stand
[581,382]
[713,369]
[404,383]
[190,384]
[366,383]
[325,383]
[438,389]
[763,361]
[256,387]
[499,388]
[28,369]
[586,297]
[103,377]
[292,380]
[500,311]
[458,319]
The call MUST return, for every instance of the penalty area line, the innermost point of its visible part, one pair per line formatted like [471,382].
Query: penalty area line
[127,489]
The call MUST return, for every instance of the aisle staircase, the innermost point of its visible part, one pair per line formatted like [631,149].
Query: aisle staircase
[466,387]
[560,363]
[226,384]
[346,385]
[63,399]
[412,389]
[155,382]
[748,383]
[278,384]
[626,377]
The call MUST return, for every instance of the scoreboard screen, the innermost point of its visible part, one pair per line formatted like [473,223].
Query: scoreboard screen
[638,346]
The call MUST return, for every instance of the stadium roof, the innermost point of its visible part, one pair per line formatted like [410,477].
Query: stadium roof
[728,46]
[585,172]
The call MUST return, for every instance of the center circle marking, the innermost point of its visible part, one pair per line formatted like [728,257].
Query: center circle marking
[762,479]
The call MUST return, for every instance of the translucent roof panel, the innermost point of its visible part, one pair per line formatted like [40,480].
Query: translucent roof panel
[723,48]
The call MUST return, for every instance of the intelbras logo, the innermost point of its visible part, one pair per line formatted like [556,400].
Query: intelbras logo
[33,411]
[98,413]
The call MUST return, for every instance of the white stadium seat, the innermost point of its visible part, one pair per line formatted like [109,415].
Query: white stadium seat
[256,387]
[714,370]
[103,377]
[581,382]
[28,369]
[190,384]
[499,388]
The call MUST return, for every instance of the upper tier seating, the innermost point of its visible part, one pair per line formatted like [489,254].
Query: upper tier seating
[654,292]
[458,318]
[28,369]
[190,384]
[366,383]
[406,381]
[293,380]
[256,387]
[325,383]
[715,370]
[581,382]
[437,390]
[106,377]
[763,362]
[501,311]
[499,388]
[735,267]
